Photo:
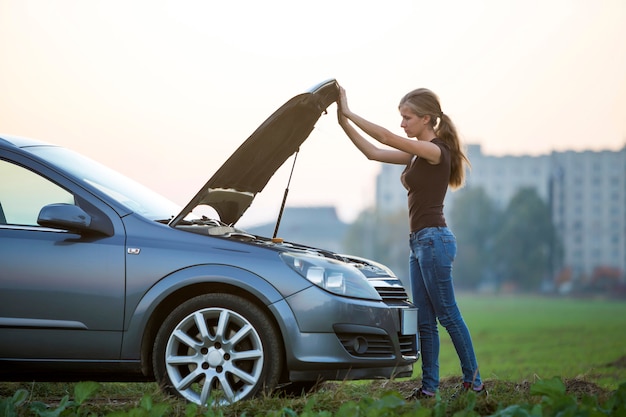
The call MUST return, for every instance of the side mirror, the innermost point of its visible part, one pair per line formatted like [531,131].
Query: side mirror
[65,216]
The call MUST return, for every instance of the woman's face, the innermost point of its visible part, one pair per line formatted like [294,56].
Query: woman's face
[412,124]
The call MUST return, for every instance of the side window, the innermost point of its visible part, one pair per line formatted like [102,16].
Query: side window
[23,193]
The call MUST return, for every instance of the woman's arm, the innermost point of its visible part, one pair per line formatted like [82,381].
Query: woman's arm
[368,149]
[392,156]
[404,148]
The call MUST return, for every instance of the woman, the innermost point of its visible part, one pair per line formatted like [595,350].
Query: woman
[433,160]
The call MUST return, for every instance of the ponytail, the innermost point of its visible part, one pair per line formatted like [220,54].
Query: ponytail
[446,131]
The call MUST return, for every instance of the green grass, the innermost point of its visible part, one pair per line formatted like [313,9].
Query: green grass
[518,341]
[528,338]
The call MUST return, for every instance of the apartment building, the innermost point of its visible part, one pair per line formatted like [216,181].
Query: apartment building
[588,208]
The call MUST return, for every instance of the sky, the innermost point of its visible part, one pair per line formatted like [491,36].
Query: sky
[165,91]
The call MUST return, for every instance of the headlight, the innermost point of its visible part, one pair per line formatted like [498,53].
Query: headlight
[331,275]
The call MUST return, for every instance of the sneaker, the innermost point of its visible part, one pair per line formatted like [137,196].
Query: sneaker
[420,393]
[467,386]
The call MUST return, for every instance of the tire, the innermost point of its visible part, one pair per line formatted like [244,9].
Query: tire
[217,349]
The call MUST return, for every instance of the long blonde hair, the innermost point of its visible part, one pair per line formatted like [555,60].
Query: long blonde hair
[424,102]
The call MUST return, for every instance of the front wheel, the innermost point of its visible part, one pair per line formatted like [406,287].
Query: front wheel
[217,348]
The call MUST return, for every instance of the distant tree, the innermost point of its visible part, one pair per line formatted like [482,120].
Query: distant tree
[381,237]
[359,239]
[525,245]
[518,245]
[474,220]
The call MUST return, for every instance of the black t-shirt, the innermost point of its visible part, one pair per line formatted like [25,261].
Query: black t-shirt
[427,185]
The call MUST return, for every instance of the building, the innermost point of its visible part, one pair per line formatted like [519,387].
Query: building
[502,176]
[589,209]
[586,191]
[318,226]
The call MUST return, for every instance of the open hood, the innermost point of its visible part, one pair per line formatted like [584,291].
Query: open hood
[232,188]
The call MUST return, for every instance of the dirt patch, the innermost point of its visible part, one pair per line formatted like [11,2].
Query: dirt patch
[573,386]
[580,388]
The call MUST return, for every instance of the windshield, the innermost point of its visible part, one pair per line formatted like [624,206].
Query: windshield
[133,195]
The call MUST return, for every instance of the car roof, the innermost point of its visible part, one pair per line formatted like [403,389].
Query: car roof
[19,141]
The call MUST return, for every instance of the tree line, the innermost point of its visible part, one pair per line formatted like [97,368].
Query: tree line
[513,248]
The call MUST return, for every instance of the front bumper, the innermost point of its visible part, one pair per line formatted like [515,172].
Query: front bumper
[328,337]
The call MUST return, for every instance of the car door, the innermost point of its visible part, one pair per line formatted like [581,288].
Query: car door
[61,294]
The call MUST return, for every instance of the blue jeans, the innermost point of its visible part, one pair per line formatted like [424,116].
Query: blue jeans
[433,250]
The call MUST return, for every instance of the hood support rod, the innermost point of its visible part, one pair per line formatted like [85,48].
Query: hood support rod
[282,206]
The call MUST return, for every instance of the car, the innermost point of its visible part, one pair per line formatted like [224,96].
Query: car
[104,279]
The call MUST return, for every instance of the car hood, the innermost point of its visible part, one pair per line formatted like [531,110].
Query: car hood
[231,190]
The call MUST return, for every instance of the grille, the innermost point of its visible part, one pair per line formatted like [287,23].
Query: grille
[375,346]
[366,345]
[392,293]
[407,345]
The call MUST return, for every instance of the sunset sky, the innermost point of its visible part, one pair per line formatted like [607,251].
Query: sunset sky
[165,91]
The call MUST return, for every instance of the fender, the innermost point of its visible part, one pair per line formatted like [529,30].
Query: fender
[249,282]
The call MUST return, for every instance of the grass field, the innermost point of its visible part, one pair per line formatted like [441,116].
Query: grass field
[520,338]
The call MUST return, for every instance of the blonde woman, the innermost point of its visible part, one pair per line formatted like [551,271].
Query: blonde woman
[434,160]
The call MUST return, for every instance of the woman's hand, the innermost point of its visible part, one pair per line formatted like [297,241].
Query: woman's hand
[342,101]
[342,106]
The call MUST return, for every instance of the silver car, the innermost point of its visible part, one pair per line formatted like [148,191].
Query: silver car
[101,278]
